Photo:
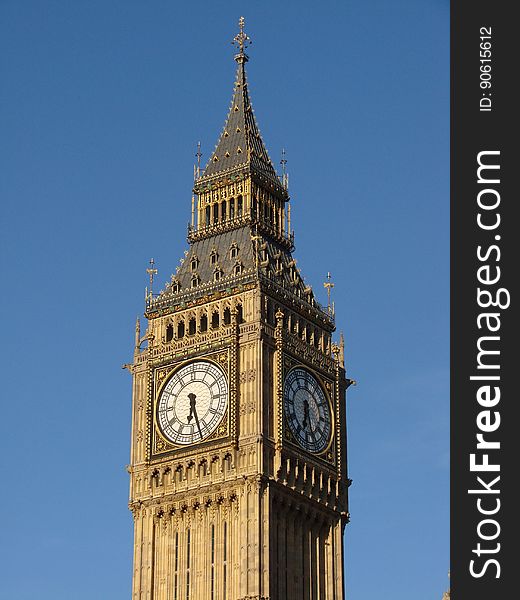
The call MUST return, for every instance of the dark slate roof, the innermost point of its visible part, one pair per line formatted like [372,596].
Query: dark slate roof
[240,143]
[287,275]
[221,244]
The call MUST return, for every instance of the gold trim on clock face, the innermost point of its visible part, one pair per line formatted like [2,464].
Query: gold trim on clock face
[307,410]
[192,403]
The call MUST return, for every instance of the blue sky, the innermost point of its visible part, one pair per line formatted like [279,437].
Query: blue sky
[101,106]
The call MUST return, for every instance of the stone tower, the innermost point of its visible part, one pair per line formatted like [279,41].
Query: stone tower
[238,471]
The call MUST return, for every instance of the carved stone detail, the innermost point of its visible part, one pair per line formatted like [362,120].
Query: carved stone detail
[248,375]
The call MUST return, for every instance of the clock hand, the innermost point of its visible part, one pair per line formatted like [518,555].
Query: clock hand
[305,413]
[193,412]
[192,406]
[197,421]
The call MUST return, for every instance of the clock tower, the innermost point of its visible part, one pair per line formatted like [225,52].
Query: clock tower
[238,471]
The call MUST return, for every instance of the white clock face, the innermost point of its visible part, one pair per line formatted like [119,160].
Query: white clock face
[192,403]
[307,410]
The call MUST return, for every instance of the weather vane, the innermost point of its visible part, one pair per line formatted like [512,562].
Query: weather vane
[241,39]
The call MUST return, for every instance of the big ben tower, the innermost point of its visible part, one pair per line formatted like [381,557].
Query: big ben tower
[238,472]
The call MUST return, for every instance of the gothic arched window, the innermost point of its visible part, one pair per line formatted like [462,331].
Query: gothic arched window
[192,326]
[188,563]
[224,562]
[174,284]
[212,578]
[176,566]
[240,314]
[227,317]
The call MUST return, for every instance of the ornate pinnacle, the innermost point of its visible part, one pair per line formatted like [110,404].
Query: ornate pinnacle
[137,333]
[285,177]
[241,41]
[151,272]
[328,285]
[198,155]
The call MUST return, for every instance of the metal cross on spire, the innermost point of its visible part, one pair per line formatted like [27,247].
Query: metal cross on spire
[241,39]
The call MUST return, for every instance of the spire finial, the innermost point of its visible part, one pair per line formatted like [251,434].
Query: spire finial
[241,41]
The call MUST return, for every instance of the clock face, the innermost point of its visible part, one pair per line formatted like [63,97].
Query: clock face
[192,403]
[307,410]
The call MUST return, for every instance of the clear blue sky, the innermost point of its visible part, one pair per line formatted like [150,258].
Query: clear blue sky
[102,103]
